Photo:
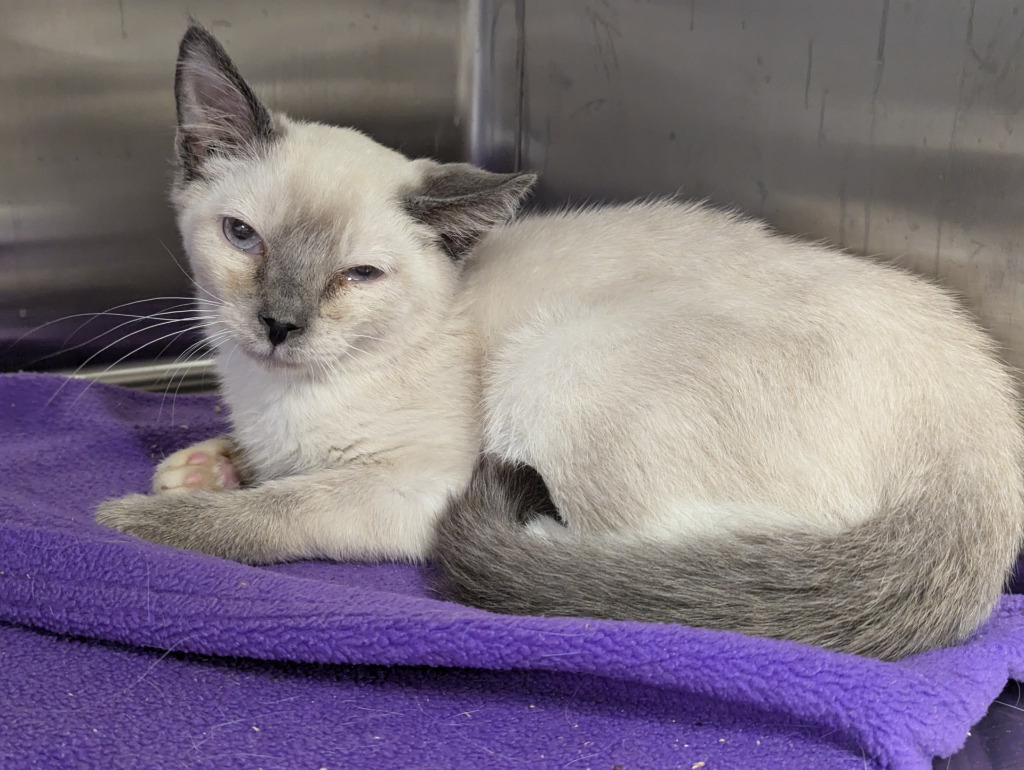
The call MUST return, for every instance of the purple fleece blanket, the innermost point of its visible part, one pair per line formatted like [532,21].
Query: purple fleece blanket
[352,665]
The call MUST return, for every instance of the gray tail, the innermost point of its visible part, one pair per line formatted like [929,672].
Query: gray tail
[889,587]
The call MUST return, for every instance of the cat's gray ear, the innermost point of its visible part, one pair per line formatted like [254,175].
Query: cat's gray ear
[461,202]
[218,114]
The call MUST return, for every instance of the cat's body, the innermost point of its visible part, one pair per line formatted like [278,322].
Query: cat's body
[777,427]
[720,375]
[736,429]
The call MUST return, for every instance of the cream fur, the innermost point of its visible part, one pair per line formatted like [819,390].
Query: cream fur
[690,370]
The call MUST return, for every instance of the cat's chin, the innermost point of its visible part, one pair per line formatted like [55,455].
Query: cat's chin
[274,360]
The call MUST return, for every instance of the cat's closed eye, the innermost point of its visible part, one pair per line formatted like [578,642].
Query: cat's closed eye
[242,236]
[360,274]
[350,276]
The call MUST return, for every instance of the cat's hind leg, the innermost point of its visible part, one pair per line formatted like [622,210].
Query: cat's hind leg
[203,466]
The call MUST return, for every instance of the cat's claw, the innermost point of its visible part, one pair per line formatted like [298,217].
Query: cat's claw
[205,466]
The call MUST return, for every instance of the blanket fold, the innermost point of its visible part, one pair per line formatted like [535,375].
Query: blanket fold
[67,445]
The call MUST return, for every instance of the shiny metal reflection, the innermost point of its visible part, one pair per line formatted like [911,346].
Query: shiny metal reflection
[164,377]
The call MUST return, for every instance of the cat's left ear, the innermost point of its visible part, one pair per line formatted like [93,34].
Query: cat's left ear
[218,114]
[461,203]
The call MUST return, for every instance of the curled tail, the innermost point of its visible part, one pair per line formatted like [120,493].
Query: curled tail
[922,574]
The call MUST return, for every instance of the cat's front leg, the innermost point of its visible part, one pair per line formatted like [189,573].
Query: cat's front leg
[207,465]
[336,514]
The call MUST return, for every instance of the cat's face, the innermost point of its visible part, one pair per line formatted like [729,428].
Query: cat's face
[308,250]
[313,245]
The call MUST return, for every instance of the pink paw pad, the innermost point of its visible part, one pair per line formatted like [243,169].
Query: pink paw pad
[204,466]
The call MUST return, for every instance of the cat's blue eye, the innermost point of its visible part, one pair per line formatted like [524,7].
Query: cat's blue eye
[242,235]
[362,273]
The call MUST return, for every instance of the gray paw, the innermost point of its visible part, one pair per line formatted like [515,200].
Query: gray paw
[154,518]
[210,522]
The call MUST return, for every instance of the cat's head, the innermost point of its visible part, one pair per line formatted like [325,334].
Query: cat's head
[310,243]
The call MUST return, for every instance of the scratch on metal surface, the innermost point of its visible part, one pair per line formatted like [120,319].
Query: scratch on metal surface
[842,200]
[810,64]
[879,72]
[880,52]
[589,107]
[867,223]
[520,16]
[821,117]
[605,33]
[547,146]
[947,180]
[1011,59]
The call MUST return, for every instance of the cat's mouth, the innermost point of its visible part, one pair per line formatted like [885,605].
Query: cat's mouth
[273,356]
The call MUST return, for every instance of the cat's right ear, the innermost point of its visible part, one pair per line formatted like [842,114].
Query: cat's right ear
[461,203]
[218,114]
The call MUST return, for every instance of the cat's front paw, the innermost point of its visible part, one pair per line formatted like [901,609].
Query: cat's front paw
[217,523]
[206,466]
[182,521]
[152,518]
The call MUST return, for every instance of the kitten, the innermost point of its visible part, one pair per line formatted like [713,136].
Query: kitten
[682,416]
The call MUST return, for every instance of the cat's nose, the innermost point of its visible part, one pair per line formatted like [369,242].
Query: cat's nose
[278,331]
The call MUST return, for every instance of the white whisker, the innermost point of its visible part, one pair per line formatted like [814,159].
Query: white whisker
[186,273]
[180,363]
[194,317]
[109,312]
[177,333]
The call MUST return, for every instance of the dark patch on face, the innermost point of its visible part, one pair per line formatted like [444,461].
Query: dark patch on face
[218,113]
[461,203]
[294,277]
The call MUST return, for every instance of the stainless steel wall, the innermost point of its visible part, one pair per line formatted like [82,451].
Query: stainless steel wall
[890,128]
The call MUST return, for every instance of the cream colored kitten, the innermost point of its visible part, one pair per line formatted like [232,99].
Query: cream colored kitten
[673,414]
